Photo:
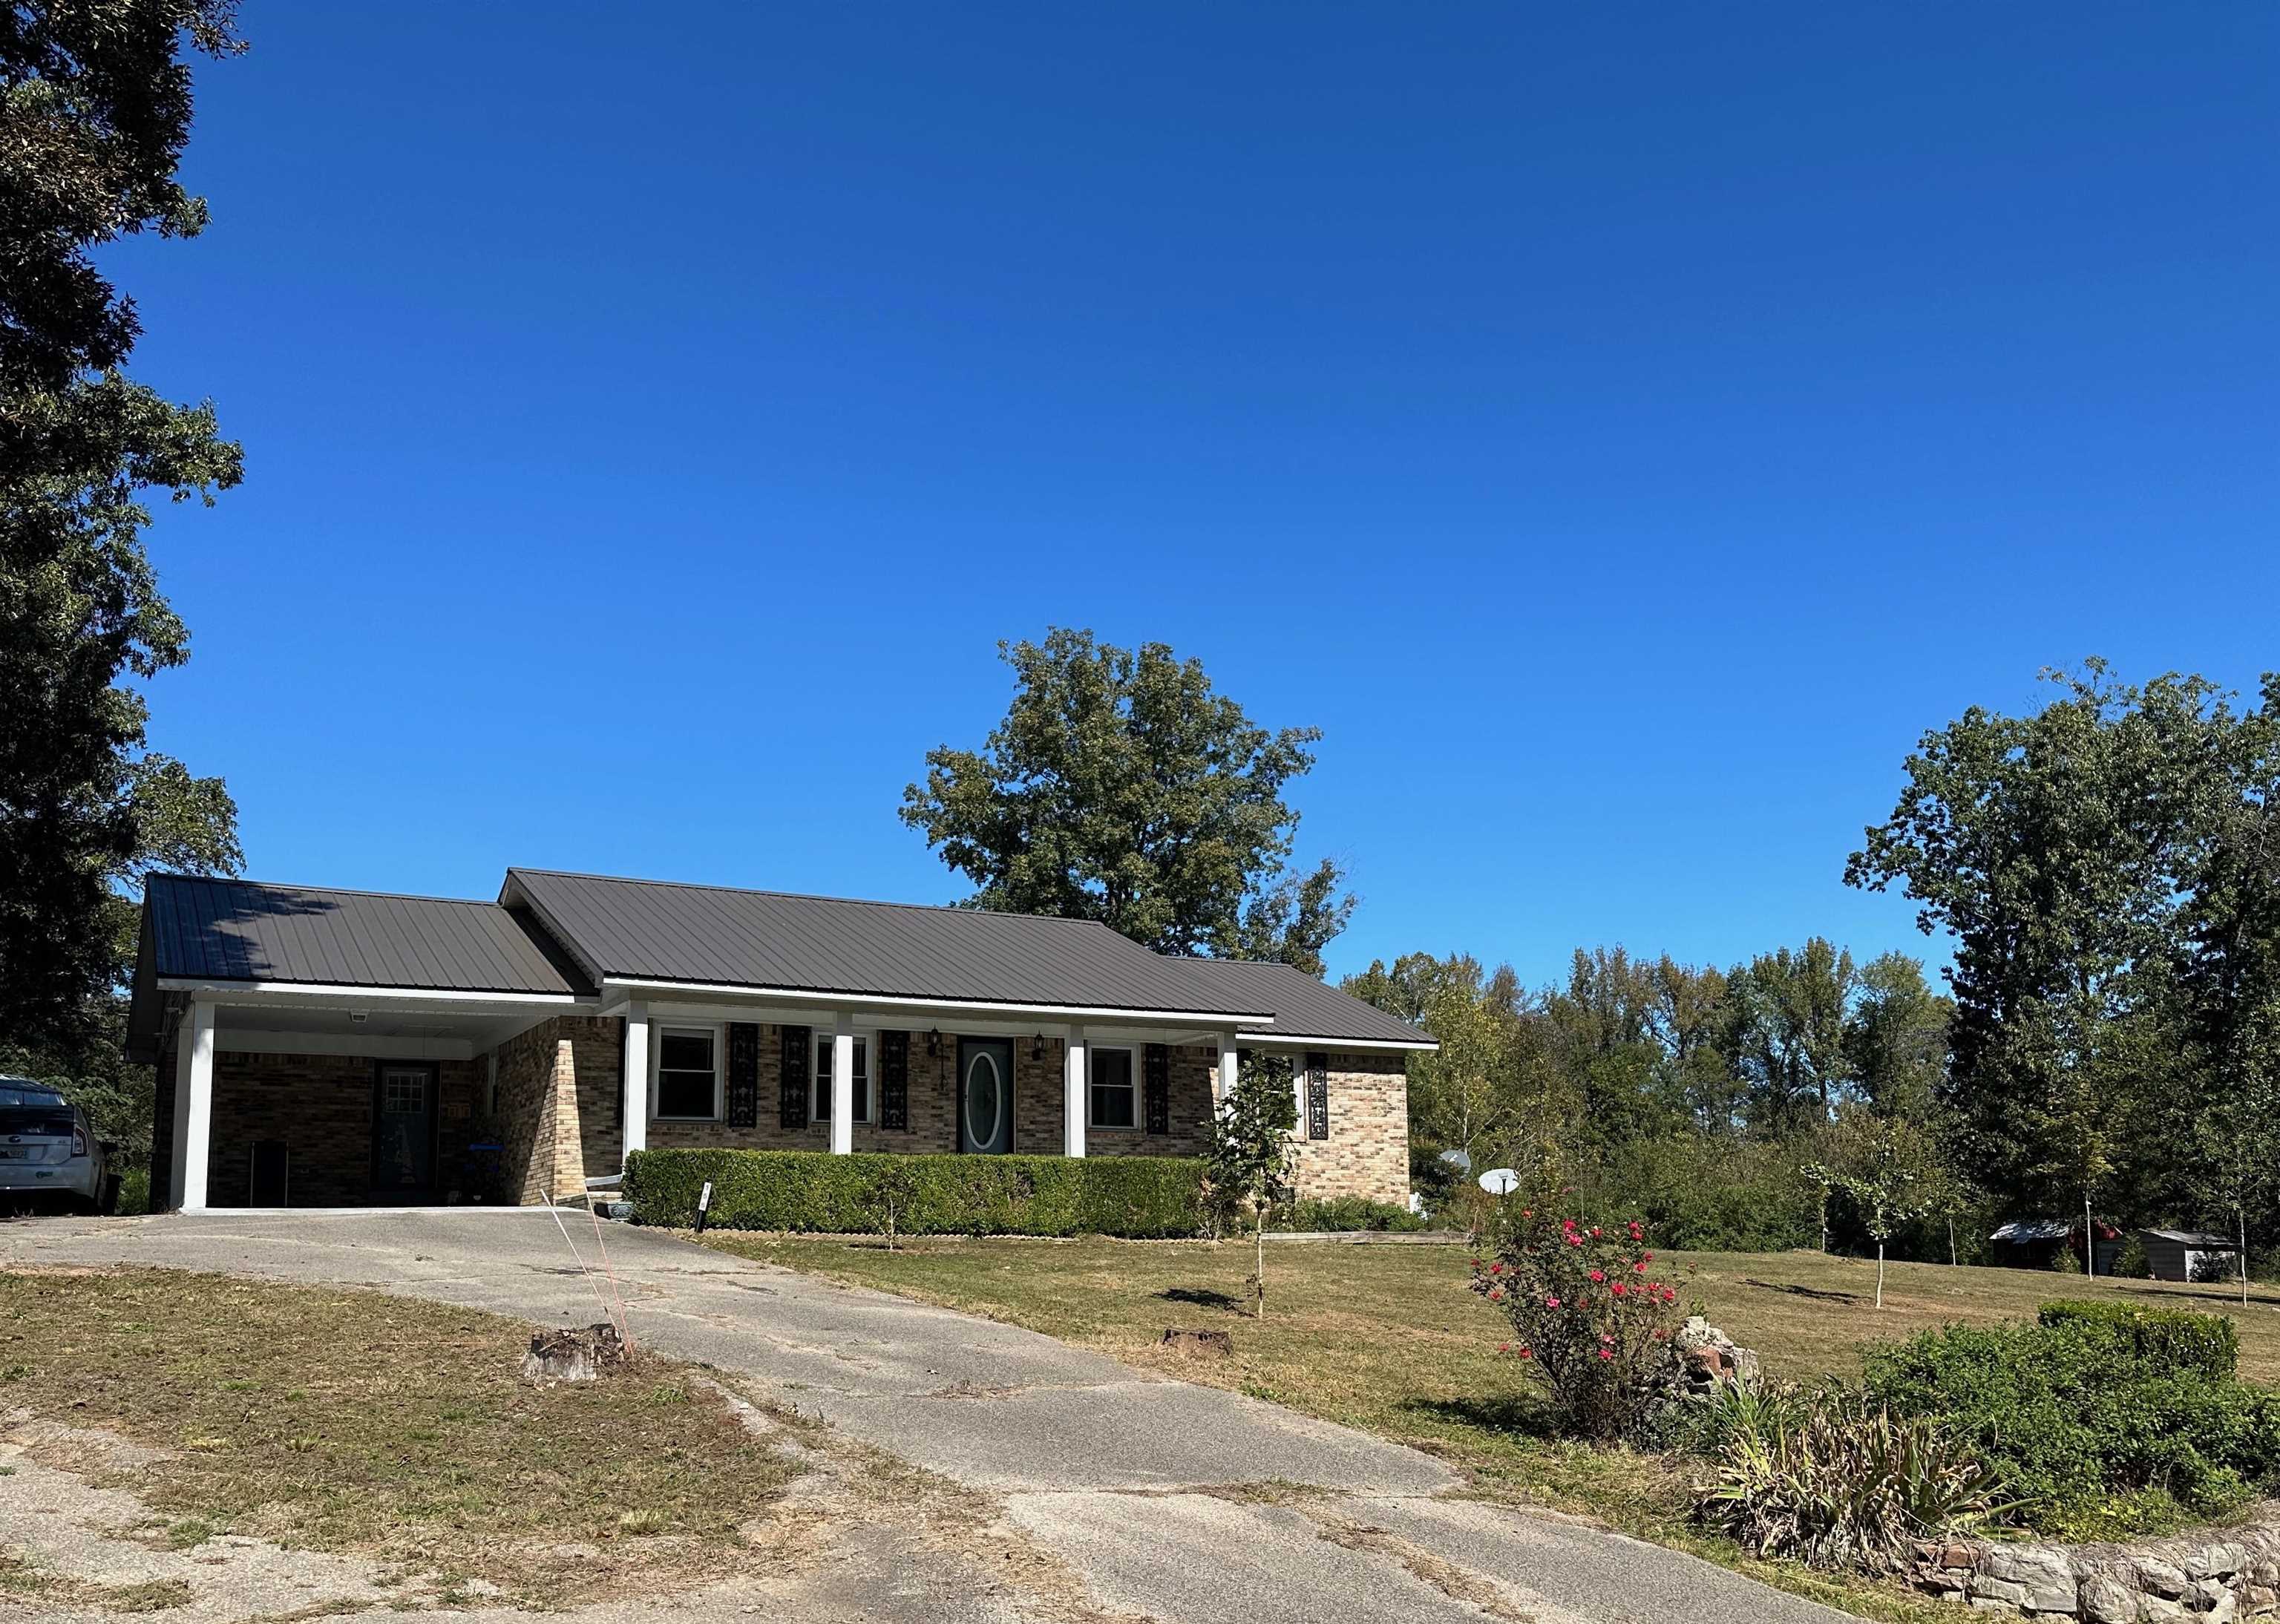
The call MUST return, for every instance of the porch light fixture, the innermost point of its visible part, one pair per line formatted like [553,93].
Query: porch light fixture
[934,1045]
[1037,1047]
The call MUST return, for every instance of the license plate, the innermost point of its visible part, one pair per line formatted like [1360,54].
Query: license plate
[14,1153]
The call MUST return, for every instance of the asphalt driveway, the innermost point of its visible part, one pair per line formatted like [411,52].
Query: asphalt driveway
[1126,1476]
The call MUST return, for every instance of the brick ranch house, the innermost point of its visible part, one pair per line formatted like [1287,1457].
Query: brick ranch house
[331,1048]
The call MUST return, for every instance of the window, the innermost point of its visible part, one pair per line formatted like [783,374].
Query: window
[688,1072]
[821,1091]
[1115,1100]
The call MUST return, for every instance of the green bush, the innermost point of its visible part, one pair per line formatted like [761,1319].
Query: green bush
[1704,1193]
[2132,1263]
[2180,1338]
[1345,1214]
[2100,1426]
[1140,1198]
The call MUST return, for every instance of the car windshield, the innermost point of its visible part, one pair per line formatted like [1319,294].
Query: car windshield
[52,1119]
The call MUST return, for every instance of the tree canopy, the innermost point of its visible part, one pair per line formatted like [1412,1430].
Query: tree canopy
[1122,787]
[2108,869]
[95,106]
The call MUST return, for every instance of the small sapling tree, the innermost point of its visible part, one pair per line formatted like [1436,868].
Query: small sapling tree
[1891,1170]
[1251,1159]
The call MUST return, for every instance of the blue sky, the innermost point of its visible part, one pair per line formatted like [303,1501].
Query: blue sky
[1623,430]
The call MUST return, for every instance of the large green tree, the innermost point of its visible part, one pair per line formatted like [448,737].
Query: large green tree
[95,108]
[1122,787]
[2100,864]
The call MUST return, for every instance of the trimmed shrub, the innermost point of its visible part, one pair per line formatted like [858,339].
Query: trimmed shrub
[1138,1198]
[2096,1438]
[2180,1338]
[1345,1214]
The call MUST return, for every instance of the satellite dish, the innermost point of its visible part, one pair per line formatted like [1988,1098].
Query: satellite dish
[1500,1180]
[1462,1160]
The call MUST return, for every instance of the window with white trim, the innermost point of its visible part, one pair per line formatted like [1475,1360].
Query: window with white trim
[1114,1084]
[688,1074]
[821,1092]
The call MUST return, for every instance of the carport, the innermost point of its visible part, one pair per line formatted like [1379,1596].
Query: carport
[330,1049]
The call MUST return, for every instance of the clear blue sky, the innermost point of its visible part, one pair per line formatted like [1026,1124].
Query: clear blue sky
[1623,430]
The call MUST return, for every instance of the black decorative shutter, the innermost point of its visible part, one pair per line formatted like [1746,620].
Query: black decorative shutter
[744,1074]
[1318,1097]
[1156,1068]
[894,1081]
[792,1097]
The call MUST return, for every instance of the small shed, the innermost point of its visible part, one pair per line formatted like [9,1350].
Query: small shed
[2035,1242]
[2190,1254]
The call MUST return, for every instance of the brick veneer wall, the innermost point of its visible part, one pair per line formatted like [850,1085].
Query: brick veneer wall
[1367,1151]
[320,1105]
[552,1083]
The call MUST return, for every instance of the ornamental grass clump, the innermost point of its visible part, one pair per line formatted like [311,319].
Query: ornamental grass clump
[1589,1315]
[1834,1479]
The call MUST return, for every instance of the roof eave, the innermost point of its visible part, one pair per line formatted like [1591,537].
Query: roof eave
[629,987]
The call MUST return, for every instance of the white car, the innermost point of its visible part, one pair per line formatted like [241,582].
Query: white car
[49,1152]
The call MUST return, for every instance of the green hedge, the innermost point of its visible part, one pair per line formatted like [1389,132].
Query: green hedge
[2177,1337]
[2098,1426]
[1138,1198]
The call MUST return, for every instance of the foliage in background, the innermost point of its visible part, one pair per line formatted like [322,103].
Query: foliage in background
[2104,1423]
[1591,1316]
[95,104]
[1142,1197]
[2110,871]
[1121,788]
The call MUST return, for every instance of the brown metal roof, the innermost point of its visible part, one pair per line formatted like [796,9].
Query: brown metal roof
[242,930]
[651,930]
[1303,1006]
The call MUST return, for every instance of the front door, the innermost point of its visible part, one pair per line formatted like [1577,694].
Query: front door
[985,1096]
[403,1133]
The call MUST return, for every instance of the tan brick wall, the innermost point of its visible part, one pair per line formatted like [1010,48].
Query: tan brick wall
[1367,1151]
[558,1106]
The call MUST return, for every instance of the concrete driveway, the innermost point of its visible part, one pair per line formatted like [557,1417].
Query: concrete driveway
[1125,1476]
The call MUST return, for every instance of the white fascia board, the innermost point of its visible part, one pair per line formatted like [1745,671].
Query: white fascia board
[616,988]
[324,995]
[232,1041]
[1343,1045]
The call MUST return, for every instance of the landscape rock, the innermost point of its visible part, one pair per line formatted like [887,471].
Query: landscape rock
[1703,1359]
[2189,1580]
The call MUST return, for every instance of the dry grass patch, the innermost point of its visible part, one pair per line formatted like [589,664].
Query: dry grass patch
[1388,1339]
[355,1422]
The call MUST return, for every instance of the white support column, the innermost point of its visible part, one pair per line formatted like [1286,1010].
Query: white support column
[1299,1096]
[635,1082]
[1076,1101]
[1227,1068]
[195,1083]
[843,1084]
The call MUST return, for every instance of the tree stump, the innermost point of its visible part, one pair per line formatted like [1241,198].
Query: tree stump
[574,1355]
[1199,1344]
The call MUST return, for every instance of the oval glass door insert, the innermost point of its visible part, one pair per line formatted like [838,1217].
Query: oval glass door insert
[985,1106]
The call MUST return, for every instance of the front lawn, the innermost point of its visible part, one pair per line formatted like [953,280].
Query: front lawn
[359,1423]
[1388,1339]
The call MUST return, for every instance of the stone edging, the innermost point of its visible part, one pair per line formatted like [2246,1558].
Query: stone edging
[2212,1577]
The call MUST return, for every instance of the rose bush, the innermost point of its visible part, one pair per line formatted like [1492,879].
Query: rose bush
[1589,1314]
